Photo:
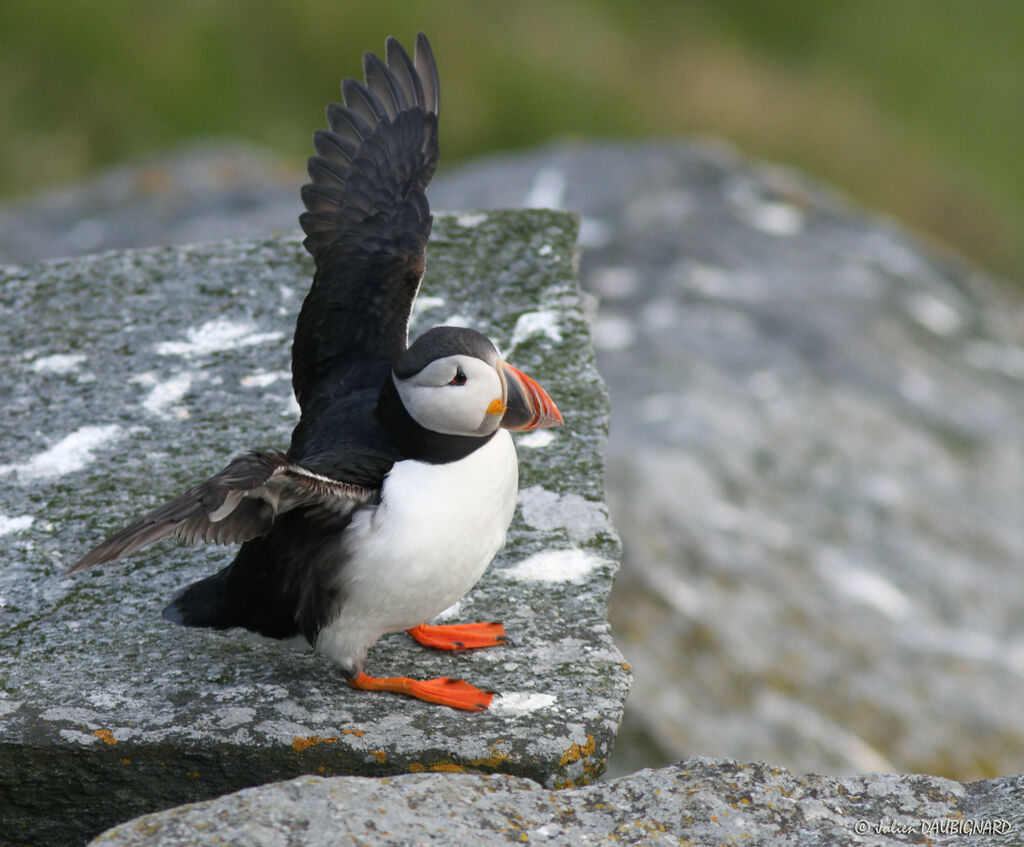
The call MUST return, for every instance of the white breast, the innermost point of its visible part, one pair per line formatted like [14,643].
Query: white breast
[428,542]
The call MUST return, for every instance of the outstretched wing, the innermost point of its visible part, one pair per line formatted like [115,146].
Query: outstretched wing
[368,220]
[239,503]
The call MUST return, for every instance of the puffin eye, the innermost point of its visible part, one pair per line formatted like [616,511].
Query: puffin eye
[459,378]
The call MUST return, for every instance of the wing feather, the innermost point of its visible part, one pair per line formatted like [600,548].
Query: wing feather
[384,86]
[237,504]
[367,219]
[426,69]
[405,74]
[363,102]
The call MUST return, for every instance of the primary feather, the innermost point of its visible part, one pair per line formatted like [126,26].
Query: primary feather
[367,219]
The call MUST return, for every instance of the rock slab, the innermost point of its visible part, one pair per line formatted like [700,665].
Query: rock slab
[132,375]
[816,464]
[698,801]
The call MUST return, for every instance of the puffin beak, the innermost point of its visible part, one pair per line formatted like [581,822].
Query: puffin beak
[527,405]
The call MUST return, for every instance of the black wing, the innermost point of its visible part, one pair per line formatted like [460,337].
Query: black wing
[237,504]
[368,218]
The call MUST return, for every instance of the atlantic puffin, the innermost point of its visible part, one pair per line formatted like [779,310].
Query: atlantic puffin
[401,478]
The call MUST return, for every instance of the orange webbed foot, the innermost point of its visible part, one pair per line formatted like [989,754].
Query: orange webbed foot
[444,690]
[459,636]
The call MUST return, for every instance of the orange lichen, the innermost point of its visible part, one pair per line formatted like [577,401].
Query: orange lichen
[491,762]
[105,735]
[447,767]
[592,766]
[577,752]
[379,755]
[416,767]
[300,744]
[358,733]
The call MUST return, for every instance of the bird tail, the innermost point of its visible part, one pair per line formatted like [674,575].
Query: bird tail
[256,591]
[205,603]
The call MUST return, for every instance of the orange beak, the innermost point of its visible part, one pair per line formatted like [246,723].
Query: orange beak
[527,405]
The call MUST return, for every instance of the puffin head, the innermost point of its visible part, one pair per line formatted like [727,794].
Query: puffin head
[452,381]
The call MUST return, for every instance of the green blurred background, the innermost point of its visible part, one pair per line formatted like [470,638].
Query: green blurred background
[913,107]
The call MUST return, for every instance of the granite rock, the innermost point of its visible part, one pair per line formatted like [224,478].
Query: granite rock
[199,192]
[131,375]
[698,801]
[816,464]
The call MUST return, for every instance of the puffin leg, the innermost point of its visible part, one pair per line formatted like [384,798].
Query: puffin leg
[459,636]
[444,690]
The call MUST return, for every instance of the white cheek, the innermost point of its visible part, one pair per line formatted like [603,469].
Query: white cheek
[453,410]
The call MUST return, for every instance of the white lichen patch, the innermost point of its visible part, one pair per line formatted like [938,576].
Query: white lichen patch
[458,320]
[530,324]
[216,336]
[934,314]
[229,717]
[863,586]
[470,219]
[773,217]
[164,398]
[72,453]
[425,303]
[452,612]
[58,363]
[109,699]
[74,715]
[146,378]
[554,566]
[284,732]
[76,737]
[536,439]
[18,523]
[261,379]
[780,219]
[521,702]
[8,707]
[548,510]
